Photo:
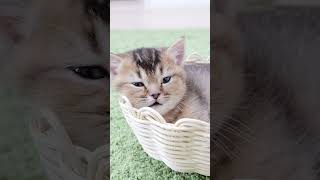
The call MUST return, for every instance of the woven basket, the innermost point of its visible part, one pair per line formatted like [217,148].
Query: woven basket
[63,160]
[183,146]
[197,58]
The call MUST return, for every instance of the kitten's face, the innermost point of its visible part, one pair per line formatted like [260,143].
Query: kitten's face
[62,65]
[151,77]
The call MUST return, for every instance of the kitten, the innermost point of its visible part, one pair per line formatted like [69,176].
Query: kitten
[156,78]
[261,129]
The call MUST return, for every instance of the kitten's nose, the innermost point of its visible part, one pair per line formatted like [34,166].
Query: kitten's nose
[155,96]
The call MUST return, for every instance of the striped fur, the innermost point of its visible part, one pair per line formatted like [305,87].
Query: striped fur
[147,58]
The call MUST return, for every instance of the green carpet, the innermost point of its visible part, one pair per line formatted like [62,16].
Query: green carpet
[128,160]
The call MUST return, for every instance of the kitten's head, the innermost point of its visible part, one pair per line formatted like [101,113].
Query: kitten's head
[151,77]
[61,63]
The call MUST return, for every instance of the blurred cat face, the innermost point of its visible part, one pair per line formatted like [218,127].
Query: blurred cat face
[63,64]
[150,77]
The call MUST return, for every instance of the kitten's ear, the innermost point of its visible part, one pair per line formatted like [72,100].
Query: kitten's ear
[12,15]
[115,62]
[9,28]
[177,50]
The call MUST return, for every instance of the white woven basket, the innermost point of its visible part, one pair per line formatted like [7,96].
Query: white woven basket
[183,146]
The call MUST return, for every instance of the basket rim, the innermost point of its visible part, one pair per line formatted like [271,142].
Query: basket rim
[124,101]
[201,59]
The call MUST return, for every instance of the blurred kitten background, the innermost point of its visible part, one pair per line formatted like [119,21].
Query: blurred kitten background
[276,116]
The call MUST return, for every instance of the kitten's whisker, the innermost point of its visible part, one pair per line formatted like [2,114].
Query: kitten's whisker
[231,142]
[226,149]
[240,134]
[240,122]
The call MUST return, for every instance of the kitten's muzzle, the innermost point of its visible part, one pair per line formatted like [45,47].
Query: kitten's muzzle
[155,104]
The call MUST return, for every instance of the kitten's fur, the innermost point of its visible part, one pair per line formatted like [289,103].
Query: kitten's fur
[184,96]
[266,132]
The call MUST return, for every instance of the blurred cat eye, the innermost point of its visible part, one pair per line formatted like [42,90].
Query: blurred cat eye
[166,79]
[93,72]
[138,84]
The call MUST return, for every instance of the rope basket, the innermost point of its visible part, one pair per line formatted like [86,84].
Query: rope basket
[183,146]
[63,160]
[197,58]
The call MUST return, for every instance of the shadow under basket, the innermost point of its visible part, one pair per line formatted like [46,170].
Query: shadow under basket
[183,146]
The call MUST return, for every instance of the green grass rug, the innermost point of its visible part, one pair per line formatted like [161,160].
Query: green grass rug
[128,160]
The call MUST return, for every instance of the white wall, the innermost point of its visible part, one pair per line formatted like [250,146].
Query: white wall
[160,14]
[150,4]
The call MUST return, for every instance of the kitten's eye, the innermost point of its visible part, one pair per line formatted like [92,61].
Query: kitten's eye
[138,84]
[166,79]
[90,72]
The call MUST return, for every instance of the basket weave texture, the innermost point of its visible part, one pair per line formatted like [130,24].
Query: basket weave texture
[62,160]
[183,146]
